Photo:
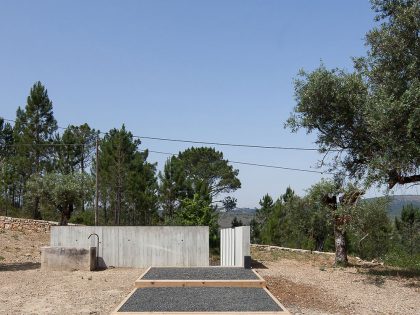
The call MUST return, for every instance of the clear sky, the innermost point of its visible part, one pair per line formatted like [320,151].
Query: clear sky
[219,71]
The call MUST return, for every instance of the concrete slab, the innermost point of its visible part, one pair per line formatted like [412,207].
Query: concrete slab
[68,258]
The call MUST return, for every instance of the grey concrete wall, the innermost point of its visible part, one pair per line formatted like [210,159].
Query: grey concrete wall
[68,258]
[140,246]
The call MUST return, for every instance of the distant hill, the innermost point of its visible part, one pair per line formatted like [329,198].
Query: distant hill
[246,214]
[243,214]
[398,202]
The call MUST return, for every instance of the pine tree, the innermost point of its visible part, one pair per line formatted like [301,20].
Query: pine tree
[127,181]
[33,131]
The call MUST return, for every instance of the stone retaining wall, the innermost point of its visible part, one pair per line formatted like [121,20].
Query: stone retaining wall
[271,247]
[21,224]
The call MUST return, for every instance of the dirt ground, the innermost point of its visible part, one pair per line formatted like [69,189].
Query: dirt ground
[25,289]
[309,284]
[304,283]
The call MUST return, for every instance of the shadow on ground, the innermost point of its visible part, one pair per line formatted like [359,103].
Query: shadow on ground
[19,266]
[255,264]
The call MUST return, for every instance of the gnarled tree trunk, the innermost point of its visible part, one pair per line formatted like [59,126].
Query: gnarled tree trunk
[340,244]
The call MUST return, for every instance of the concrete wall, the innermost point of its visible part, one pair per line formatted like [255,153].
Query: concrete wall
[235,246]
[139,246]
[68,258]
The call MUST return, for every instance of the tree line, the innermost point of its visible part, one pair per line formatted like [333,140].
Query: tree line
[307,222]
[50,175]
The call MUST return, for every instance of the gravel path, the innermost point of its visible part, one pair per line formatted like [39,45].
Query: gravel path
[208,299]
[200,273]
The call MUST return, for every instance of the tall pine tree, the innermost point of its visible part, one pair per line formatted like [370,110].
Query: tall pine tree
[33,132]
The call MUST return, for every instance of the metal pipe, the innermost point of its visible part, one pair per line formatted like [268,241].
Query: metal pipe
[97,248]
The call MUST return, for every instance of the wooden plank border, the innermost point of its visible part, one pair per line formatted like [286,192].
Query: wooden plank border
[285,311]
[200,283]
[115,311]
[142,275]
[258,276]
[202,313]
[251,283]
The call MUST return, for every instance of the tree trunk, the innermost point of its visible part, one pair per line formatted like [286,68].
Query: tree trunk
[36,214]
[82,163]
[339,232]
[66,214]
[340,245]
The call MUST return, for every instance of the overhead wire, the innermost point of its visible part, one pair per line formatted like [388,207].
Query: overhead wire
[255,146]
[200,142]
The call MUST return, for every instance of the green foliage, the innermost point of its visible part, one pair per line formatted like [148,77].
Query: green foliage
[77,150]
[83,217]
[405,243]
[201,171]
[207,166]
[198,211]
[33,131]
[267,205]
[174,187]
[408,228]
[370,229]
[229,203]
[370,116]
[56,191]
[236,222]
[398,256]
[128,182]
[7,171]
[255,228]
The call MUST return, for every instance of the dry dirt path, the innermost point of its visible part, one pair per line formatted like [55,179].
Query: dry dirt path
[25,289]
[308,284]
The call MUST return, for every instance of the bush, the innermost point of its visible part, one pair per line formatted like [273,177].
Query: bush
[399,257]
[83,217]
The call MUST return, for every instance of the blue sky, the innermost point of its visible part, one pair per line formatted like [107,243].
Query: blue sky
[219,71]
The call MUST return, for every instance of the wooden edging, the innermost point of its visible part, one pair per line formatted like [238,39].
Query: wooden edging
[202,313]
[282,312]
[251,283]
[200,283]
[142,275]
[115,311]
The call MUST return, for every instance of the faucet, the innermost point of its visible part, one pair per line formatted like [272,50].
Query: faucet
[97,247]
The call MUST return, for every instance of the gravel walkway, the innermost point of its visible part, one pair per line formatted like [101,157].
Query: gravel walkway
[201,299]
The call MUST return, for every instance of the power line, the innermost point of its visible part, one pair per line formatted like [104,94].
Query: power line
[254,146]
[173,154]
[260,165]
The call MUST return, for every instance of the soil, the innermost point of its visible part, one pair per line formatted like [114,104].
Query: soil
[304,283]
[309,284]
[25,289]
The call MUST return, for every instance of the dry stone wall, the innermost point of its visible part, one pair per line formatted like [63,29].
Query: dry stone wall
[20,224]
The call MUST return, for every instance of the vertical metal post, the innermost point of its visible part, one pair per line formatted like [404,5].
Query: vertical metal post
[97,183]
